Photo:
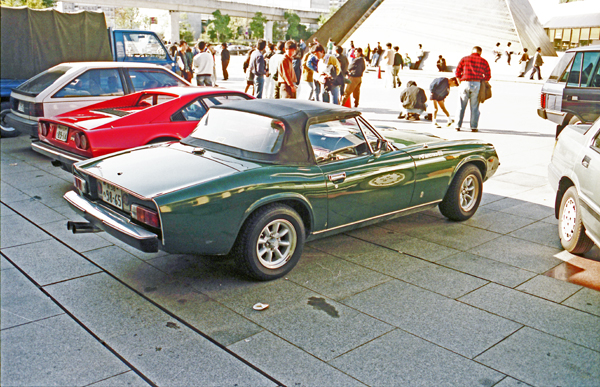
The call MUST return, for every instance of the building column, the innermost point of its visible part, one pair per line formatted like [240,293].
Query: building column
[269,31]
[174,26]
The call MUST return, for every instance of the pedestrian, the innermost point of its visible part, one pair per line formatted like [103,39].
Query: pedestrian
[440,88]
[351,51]
[441,64]
[312,63]
[413,100]
[182,59]
[537,63]
[398,62]
[341,77]
[225,56]
[203,64]
[497,52]
[307,74]
[330,46]
[328,68]
[273,69]
[471,71]
[258,67]
[269,83]
[368,53]
[286,75]
[420,56]
[355,72]
[211,50]
[523,61]
[388,61]
[189,56]
[302,47]
[508,52]
[248,74]
[407,60]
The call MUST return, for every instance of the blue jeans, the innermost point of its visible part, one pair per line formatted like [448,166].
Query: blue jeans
[259,81]
[203,80]
[317,90]
[335,93]
[469,93]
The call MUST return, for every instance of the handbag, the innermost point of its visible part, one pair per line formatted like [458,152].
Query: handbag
[485,91]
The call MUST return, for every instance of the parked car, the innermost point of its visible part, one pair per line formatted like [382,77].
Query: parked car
[141,118]
[574,173]
[70,86]
[572,92]
[259,178]
[238,49]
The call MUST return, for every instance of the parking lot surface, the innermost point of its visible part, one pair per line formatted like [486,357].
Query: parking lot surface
[415,301]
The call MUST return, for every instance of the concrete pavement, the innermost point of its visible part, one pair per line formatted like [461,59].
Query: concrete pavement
[413,301]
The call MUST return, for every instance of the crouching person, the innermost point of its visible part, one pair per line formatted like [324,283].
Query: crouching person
[440,88]
[413,100]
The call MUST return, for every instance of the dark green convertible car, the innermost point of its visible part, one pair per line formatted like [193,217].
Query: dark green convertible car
[256,179]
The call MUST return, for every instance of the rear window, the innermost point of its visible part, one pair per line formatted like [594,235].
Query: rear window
[143,79]
[242,130]
[560,67]
[40,82]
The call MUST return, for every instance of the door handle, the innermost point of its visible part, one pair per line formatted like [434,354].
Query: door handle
[586,161]
[337,177]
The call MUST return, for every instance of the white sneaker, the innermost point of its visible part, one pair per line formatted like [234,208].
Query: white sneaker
[437,125]
[450,123]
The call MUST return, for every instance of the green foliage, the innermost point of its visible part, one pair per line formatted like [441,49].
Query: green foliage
[257,25]
[323,18]
[186,32]
[218,28]
[293,21]
[278,31]
[127,18]
[33,4]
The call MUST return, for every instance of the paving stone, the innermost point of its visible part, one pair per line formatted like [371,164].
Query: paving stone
[488,198]
[503,188]
[522,208]
[448,323]
[54,352]
[305,319]
[132,250]
[487,269]
[539,232]
[105,306]
[380,236]
[555,319]
[15,166]
[51,196]
[22,301]
[6,212]
[37,212]
[417,221]
[17,231]
[170,354]
[549,288]
[510,382]
[49,261]
[342,246]
[496,221]
[332,276]
[30,179]
[524,179]
[301,369]
[540,359]
[587,300]
[519,253]
[10,194]
[126,379]
[401,359]
[5,265]
[79,242]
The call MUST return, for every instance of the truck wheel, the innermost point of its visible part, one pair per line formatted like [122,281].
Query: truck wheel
[5,130]
[464,194]
[570,227]
[270,242]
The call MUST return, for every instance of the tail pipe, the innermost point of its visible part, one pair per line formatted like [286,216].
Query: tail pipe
[81,227]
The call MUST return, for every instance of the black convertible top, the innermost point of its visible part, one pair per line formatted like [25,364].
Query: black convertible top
[296,115]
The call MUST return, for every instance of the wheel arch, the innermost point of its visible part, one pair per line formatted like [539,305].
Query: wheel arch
[476,160]
[563,185]
[294,200]
[161,139]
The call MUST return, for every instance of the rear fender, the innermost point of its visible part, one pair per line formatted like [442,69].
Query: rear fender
[282,197]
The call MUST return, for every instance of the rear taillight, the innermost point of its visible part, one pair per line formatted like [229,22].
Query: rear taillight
[43,128]
[145,215]
[38,110]
[543,100]
[80,184]
[81,140]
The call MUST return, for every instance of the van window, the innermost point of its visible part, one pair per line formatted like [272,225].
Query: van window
[143,45]
[98,82]
[575,72]
[590,61]
[560,67]
[596,78]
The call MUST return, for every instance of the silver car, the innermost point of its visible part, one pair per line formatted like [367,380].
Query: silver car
[574,173]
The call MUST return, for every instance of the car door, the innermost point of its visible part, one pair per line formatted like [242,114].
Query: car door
[91,86]
[361,183]
[587,170]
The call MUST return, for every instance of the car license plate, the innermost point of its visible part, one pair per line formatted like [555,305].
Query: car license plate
[21,107]
[112,195]
[62,133]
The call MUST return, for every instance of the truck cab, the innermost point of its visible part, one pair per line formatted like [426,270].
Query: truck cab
[141,47]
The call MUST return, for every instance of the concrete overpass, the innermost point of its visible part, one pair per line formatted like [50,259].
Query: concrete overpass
[231,8]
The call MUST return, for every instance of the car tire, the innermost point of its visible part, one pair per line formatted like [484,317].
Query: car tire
[570,227]
[265,258]
[5,130]
[464,194]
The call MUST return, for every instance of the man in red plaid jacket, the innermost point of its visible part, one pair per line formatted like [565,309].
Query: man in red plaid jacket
[471,71]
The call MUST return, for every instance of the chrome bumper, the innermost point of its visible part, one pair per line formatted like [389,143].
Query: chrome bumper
[113,223]
[67,159]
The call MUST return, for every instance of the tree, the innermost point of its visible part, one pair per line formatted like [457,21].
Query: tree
[127,18]
[33,4]
[293,21]
[218,28]
[324,17]
[257,25]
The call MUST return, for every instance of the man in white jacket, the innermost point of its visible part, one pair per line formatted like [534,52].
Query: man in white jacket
[203,66]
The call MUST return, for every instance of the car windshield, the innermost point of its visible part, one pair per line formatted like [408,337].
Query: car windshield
[40,82]
[242,130]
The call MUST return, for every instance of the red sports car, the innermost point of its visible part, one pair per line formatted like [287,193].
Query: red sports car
[137,119]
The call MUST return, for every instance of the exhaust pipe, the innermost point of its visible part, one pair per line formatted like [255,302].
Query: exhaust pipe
[56,163]
[81,227]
